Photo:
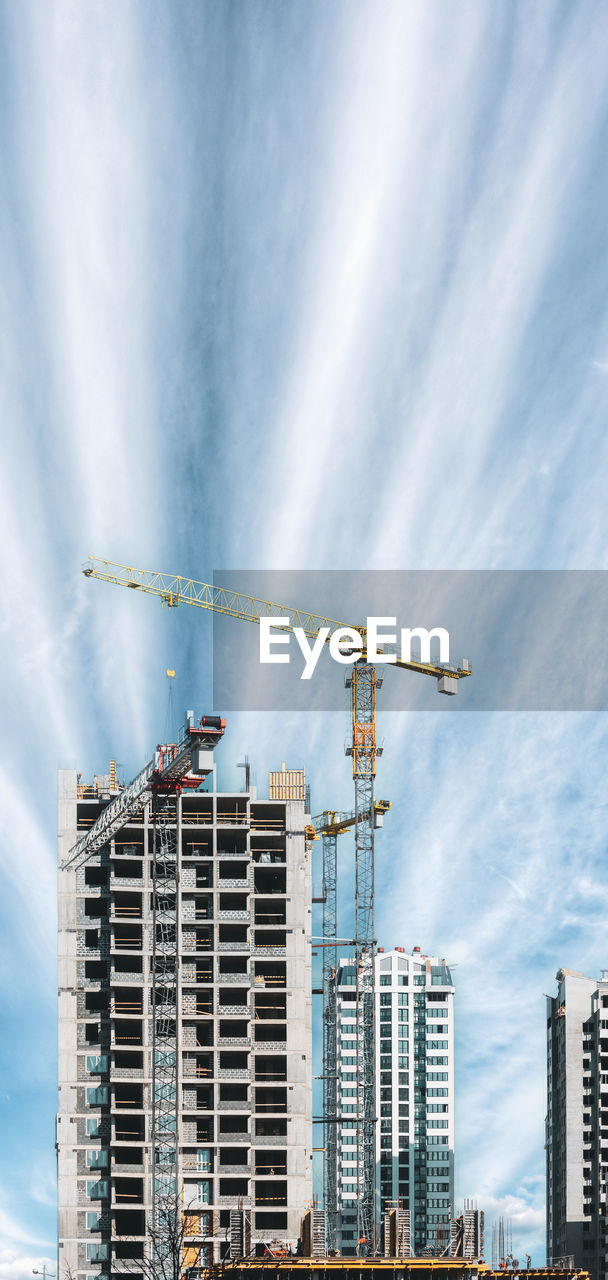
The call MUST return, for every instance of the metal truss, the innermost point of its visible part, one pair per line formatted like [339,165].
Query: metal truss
[330,1056]
[165,953]
[364,752]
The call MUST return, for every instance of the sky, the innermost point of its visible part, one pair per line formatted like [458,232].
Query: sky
[311,285]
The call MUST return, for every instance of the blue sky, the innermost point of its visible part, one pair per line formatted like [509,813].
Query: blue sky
[304,285]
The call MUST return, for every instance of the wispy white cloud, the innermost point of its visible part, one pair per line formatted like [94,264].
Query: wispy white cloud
[436,403]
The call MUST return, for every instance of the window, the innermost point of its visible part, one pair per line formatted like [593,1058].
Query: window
[93,1222]
[437,1124]
[437,1093]
[97,1252]
[402,980]
[97,1062]
[402,998]
[97,1097]
[97,1159]
[98,1190]
[385,979]
[93,1127]
[202,1192]
[403,1061]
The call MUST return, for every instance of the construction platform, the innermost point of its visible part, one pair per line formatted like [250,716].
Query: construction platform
[294,1268]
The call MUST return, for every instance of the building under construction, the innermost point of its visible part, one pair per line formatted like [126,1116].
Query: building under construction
[185,1039]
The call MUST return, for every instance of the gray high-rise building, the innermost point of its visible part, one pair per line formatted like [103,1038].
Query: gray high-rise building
[185,1040]
[414,1083]
[577,1121]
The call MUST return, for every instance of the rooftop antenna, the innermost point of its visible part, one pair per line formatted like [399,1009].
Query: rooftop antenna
[244,764]
[170,714]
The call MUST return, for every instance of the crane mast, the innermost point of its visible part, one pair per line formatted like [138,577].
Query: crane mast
[330,825]
[364,751]
[174,590]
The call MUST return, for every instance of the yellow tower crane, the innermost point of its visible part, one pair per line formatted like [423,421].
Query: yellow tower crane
[174,590]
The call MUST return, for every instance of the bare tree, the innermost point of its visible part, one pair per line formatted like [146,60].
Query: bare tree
[168,1250]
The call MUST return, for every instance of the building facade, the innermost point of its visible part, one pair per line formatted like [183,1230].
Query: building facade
[577,1121]
[216,957]
[414,1096]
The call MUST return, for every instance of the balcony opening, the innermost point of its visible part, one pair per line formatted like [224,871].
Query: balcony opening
[268,1223]
[234,1155]
[270,937]
[128,1248]
[229,934]
[126,1061]
[96,877]
[267,817]
[233,1124]
[129,1191]
[269,1100]
[234,1093]
[234,1187]
[127,964]
[274,1128]
[231,1061]
[269,912]
[130,1128]
[127,937]
[233,964]
[127,1000]
[271,1007]
[127,1032]
[275,1032]
[127,906]
[271,1192]
[126,869]
[127,1155]
[234,902]
[270,973]
[95,907]
[269,1162]
[232,870]
[233,996]
[129,1095]
[270,882]
[230,1030]
[96,1001]
[270,1067]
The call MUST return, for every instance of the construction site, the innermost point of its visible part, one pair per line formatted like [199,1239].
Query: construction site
[186,1128]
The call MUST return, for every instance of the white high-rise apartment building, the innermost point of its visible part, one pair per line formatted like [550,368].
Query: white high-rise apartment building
[414,1095]
[577,1122]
